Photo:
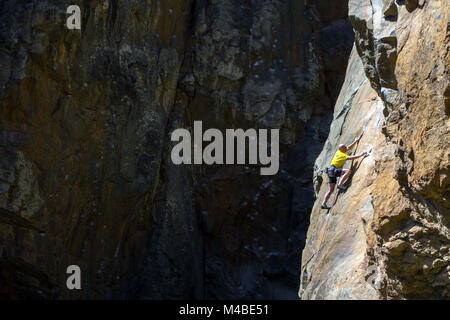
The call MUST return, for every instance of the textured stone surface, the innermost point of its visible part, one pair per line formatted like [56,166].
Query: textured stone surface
[391,227]
[85,118]
[83,125]
[335,256]
[265,64]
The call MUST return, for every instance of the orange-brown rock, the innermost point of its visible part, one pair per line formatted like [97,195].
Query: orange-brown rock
[387,236]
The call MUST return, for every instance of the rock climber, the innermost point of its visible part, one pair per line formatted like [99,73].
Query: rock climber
[335,169]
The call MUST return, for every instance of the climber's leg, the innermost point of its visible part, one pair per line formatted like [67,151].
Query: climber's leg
[327,196]
[344,178]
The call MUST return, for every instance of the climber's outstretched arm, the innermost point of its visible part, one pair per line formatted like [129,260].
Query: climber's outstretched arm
[354,142]
[357,156]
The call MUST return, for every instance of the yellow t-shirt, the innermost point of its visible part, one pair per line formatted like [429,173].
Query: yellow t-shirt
[339,159]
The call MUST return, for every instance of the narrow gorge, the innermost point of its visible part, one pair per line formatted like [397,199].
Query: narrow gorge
[86,176]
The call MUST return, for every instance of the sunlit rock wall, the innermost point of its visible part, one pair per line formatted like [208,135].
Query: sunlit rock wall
[387,236]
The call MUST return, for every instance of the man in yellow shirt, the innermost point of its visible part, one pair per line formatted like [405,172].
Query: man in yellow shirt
[335,170]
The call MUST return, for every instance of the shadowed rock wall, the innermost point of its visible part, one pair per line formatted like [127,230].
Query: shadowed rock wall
[85,118]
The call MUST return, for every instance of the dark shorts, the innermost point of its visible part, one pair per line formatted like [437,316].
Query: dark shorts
[333,173]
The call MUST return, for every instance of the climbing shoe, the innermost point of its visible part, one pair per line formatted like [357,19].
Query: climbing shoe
[343,188]
[325,207]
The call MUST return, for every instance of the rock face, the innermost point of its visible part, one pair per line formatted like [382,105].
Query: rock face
[387,236]
[262,64]
[85,119]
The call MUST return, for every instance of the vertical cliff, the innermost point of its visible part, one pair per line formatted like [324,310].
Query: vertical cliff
[85,118]
[83,130]
[261,64]
[388,235]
